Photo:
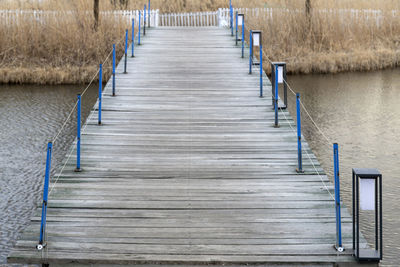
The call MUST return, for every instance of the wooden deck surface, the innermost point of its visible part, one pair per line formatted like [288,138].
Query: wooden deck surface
[187,168]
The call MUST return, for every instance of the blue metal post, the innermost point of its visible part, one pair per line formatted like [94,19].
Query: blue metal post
[144,21]
[243,39]
[149,14]
[276,96]
[140,21]
[261,72]
[41,244]
[78,135]
[337,198]
[100,90]
[113,71]
[231,19]
[126,50]
[133,38]
[299,154]
[236,27]
[230,14]
[251,52]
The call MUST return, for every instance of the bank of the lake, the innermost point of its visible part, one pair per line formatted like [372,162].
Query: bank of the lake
[317,63]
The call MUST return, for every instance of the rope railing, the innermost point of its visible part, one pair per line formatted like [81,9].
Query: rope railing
[77,107]
[278,70]
[308,155]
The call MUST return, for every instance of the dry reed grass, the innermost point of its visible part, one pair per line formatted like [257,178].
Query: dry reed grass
[63,50]
[68,50]
[333,41]
[199,5]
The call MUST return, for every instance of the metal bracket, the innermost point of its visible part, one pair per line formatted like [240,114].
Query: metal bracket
[41,246]
[339,249]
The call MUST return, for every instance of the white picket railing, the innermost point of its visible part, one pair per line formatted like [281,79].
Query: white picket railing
[194,19]
[197,19]
[42,17]
[221,17]
[355,15]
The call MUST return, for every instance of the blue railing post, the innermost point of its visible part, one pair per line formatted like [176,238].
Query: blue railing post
[149,14]
[261,71]
[339,246]
[236,27]
[41,244]
[133,38]
[276,96]
[144,21]
[299,152]
[113,71]
[140,21]
[100,90]
[78,135]
[243,38]
[230,14]
[251,52]
[231,19]
[126,50]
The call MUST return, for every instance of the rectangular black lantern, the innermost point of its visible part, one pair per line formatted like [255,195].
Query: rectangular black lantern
[239,22]
[281,80]
[367,196]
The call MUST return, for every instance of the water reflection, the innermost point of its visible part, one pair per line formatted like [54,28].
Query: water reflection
[29,117]
[360,111]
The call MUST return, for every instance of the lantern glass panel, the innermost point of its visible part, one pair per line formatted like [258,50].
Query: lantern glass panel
[256,39]
[280,74]
[240,20]
[367,194]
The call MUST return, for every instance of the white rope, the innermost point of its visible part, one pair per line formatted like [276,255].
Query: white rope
[70,153]
[69,116]
[312,120]
[88,120]
[315,124]
[90,83]
[65,122]
[59,174]
[97,72]
[308,155]
[107,57]
[84,91]
[308,114]
[72,147]
[290,88]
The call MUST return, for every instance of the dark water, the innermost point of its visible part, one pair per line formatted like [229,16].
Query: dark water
[30,116]
[361,112]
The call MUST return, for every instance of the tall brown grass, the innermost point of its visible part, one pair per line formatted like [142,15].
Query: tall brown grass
[332,39]
[64,49]
[67,49]
[199,5]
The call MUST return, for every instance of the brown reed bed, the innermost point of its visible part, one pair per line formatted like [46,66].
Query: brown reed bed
[67,48]
[61,49]
[332,38]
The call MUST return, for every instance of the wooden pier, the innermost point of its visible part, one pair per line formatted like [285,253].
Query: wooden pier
[187,168]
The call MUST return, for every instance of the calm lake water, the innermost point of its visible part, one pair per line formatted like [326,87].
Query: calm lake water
[30,116]
[357,110]
[361,112]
